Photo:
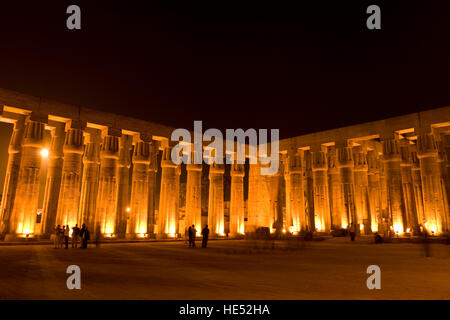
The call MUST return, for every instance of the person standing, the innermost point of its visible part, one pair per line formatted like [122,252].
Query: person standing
[194,233]
[75,234]
[82,231]
[352,232]
[190,236]
[205,234]
[57,235]
[85,238]
[66,237]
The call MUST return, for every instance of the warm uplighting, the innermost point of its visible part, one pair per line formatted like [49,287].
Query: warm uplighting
[172,235]
[344,225]
[374,227]
[361,227]
[141,235]
[408,230]
[318,226]
[284,230]
[44,153]
[222,234]
[295,233]
[398,229]
[128,209]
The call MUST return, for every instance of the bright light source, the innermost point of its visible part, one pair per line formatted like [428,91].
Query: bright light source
[284,230]
[361,227]
[44,153]
[128,209]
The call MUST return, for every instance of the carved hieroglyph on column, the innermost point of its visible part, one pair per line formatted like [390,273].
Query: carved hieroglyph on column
[138,220]
[345,163]
[89,188]
[373,177]
[168,197]
[12,174]
[295,207]
[215,204]
[107,189]
[392,171]
[69,194]
[361,186]
[434,215]
[322,217]
[417,185]
[152,170]
[237,225]
[53,183]
[193,196]
[335,194]
[24,211]
[408,189]
[123,183]
[308,189]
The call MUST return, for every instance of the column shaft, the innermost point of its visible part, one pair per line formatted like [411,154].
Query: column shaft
[24,211]
[216,221]
[107,191]
[12,175]
[237,225]
[69,194]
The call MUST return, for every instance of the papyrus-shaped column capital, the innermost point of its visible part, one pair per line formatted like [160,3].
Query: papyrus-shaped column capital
[319,161]
[426,146]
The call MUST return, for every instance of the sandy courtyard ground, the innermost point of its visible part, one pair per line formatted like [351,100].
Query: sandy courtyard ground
[234,269]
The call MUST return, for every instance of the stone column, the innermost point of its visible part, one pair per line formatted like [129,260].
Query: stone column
[374,188]
[445,182]
[168,198]
[417,186]
[295,204]
[138,220]
[12,175]
[431,185]
[123,183]
[69,194]
[322,218]
[194,196]
[393,177]
[345,164]
[361,186]
[412,224]
[237,225]
[53,183]
[335,194]
[106,212]
[308,188]
[215,204]
[89,187]
[152,170]
[23,217]
[271,219]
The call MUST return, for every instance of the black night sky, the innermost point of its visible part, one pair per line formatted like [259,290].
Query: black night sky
[299,67]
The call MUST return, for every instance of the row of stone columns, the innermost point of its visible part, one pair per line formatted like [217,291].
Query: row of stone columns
[395,184]
[400,187]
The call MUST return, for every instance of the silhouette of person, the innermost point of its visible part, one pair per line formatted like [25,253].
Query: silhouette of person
[75,234]
[352,232]
[378,238]
[205,234]
[57,236]
[86,237]
[194,233]
[190,236]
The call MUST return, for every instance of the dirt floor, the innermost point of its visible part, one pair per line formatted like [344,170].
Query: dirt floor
[233,269]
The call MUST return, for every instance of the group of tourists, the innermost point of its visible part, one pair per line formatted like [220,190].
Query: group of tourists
[63,234]
[191,234]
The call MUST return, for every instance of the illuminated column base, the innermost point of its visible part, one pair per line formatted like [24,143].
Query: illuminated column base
[215,203]
[168,198]
[237,224]
[23,217]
